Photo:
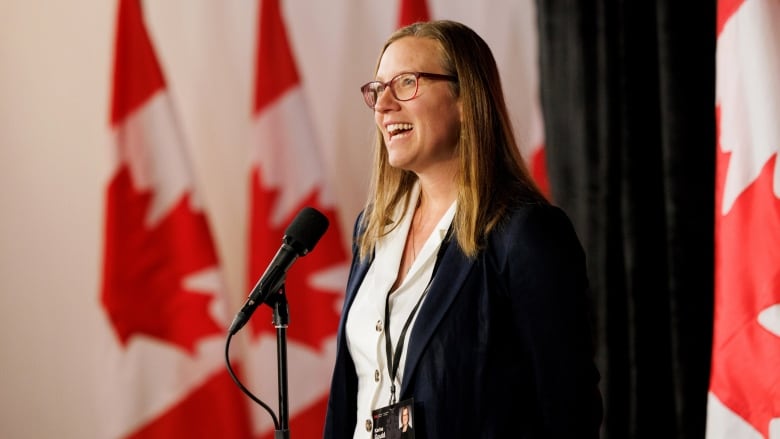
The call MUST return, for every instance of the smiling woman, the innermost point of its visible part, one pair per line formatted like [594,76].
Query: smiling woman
[460,265]
[57,157]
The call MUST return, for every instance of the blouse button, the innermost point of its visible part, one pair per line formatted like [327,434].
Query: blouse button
[378,326]
[368,425]
[376,375]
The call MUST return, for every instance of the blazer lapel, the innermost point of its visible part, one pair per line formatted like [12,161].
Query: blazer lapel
[452,272]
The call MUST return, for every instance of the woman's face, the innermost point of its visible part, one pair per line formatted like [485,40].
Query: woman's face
[420,134]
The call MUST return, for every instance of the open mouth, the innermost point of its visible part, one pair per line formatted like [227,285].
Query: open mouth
[397,129]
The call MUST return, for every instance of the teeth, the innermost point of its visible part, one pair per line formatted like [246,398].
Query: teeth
[396,127]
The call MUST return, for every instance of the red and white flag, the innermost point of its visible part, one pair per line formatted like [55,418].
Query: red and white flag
[164,373]
[412,11]
[288,174]
[744,397]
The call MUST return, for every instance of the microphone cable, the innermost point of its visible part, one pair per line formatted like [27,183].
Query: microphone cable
[242,387]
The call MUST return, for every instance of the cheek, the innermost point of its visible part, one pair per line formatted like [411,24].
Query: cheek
[450,129]
[448,116]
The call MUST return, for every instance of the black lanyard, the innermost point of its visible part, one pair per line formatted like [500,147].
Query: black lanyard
[394,360]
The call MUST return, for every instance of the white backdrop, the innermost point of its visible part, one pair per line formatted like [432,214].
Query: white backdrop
[55,156]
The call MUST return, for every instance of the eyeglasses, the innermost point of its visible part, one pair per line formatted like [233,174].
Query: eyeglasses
[403,86]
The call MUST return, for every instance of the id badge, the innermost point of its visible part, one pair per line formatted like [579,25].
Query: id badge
[394,421]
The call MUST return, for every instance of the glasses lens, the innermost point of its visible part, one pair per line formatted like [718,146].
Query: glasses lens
[404,86]
[370,93]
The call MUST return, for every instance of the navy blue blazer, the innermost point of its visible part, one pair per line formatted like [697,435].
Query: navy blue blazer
[502,346]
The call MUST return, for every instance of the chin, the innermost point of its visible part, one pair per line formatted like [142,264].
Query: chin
[396,163]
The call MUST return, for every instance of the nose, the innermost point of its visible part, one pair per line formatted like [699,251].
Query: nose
[384,100]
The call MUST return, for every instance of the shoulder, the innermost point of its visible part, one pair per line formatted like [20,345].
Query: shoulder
[536,257]
[535,232]
[534,221]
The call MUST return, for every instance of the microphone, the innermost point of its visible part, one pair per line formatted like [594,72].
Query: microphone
[299,239]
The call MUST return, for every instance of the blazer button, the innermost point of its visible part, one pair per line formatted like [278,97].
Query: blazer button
[376,375]
[368,425]
[379,326]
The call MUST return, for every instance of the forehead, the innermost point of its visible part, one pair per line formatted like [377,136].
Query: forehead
[410,54]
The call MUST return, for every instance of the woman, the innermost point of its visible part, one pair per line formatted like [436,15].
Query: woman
[467,296]
[407,432]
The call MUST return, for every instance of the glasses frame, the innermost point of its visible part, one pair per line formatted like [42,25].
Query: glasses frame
[365,88]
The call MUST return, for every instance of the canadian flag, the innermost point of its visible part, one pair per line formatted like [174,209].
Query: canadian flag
[164,374]
[412,11]
[744,397]
[288,174]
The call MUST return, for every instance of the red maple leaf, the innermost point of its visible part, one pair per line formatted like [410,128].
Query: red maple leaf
[145,268]
[314,312]
[747,281]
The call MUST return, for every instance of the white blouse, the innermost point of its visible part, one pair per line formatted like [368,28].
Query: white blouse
[365,323]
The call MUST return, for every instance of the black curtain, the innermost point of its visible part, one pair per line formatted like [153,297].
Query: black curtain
[628,98]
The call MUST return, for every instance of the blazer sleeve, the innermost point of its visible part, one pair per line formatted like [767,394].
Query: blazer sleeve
[545,275]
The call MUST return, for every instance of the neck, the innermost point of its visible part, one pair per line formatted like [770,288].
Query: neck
[436,196]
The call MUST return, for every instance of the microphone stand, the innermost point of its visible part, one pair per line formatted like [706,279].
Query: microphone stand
[281,319]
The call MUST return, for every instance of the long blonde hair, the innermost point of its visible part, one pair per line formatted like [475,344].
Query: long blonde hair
[491,173]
